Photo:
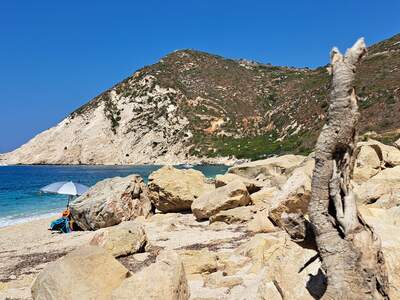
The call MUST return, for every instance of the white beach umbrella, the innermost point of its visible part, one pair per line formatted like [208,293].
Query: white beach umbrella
[65,188]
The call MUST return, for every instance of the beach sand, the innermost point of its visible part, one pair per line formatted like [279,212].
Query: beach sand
[26,248]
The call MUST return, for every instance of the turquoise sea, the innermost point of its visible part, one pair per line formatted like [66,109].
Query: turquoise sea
[20,200]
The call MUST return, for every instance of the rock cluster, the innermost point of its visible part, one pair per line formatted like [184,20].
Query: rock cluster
[246,237]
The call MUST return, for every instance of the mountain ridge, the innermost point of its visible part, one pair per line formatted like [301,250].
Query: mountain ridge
[193,106]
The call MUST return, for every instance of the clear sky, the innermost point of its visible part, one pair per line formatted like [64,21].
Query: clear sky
[57,55]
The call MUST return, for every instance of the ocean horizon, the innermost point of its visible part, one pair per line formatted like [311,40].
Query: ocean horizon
[21,200]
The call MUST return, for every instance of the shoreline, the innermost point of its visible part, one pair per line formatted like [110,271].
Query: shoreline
[28,219]
[24,215]
[228,161]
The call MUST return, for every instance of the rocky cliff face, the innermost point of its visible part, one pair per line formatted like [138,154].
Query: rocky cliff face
[192,104]
[139,125]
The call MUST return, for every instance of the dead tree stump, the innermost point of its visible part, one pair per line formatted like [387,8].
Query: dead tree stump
[350,251]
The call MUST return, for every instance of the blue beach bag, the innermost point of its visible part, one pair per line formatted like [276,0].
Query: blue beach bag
[61,224]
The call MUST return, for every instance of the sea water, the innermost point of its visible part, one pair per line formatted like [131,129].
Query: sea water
[21,201]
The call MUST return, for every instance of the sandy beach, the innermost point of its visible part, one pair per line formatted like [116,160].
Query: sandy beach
[26,248]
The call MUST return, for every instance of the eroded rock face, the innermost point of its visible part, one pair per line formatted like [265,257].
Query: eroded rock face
[382,190]
[270,168]
[115,128]
[387,228]
[86,273]
[174,190]
[232,195]
[295,193]
[165,279]
[110,202]
[120,240]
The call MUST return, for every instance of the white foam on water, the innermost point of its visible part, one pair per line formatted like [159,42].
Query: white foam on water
[13,220]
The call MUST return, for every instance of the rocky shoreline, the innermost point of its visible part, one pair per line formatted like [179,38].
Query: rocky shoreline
[228,161]
[242,235]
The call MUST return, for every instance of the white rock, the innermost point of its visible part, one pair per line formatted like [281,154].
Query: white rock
[295,194]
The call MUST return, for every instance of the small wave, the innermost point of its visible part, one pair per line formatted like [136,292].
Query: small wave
[13,220]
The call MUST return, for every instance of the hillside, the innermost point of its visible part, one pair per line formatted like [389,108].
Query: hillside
[193,104]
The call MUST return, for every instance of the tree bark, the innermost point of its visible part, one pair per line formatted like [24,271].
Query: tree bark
[350,251]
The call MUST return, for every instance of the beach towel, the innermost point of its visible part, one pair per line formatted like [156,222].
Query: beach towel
[61,224]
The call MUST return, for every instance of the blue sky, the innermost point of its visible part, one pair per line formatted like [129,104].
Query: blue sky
[57,55]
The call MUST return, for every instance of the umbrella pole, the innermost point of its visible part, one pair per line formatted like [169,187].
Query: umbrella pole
[69,199]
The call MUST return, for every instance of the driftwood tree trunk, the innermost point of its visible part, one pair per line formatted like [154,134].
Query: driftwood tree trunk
[351,255]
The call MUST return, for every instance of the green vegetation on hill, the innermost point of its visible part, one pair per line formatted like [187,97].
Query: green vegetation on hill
[262,109]
[253,148]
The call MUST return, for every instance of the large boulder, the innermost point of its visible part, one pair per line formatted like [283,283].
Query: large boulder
[389,155]
[367,164]
[174,190]
[165,279]
[110,202]
[86,273]
[123,239]
[240,214]
[382,189]
[372,157]
[232,195]
[280,166]
[294,195]
[252,185]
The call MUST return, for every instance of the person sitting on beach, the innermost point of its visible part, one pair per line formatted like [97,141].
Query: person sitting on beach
[65,224]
